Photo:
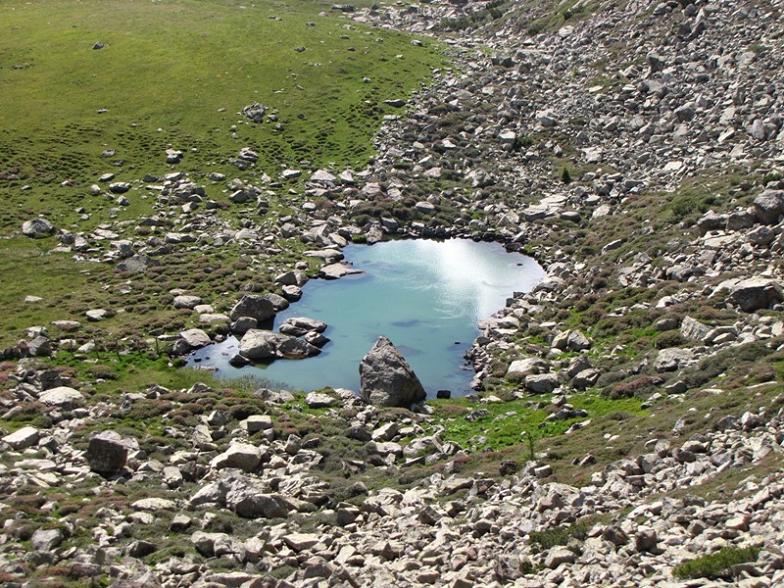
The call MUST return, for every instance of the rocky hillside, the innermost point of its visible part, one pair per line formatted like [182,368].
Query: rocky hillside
[628,422]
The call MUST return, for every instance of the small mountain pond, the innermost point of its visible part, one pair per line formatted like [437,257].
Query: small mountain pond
[426,296]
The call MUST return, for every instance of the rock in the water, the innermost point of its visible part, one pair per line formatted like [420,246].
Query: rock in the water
[195,338]
[259,345]
[278,302]
[295,348]
[334,271]
[299,325]
[387,379]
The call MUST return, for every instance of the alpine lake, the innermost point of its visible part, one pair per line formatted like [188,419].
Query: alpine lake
[428,297]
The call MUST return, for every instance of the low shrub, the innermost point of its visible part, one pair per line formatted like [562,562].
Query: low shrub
[717,565]
[544,540]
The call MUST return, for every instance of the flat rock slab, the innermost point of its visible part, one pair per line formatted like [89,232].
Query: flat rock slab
[337,270]
[62,397]
[22,438]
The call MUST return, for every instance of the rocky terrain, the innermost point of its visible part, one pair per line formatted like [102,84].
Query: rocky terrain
[628,422]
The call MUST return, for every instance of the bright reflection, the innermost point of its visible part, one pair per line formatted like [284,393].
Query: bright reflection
[426,296]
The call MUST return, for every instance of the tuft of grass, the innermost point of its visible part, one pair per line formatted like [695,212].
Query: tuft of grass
[716,565]
[544,540]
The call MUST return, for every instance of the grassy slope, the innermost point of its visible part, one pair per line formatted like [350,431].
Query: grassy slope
[166,72]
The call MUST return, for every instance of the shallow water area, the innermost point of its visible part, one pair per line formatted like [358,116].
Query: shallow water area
[426,296]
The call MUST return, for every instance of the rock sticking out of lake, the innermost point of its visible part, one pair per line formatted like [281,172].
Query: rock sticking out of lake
[426,296]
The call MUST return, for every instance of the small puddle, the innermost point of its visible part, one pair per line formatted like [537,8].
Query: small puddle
[426,296]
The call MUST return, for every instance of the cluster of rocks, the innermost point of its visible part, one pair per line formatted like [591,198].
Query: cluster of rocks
[453,530]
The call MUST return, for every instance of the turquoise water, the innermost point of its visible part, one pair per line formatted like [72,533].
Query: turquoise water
[426,296]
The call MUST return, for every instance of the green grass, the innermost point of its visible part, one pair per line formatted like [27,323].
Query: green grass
[557,14]
[508,424]
[548,538]
[172,74]
[716,565]
[167,70]
[69,288]
[176,74]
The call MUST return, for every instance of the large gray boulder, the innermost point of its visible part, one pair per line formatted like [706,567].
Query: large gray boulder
[571,341]
[250,503]
[37,228]
[769,206]
[693,329]
[243,456]
[520,368]
[756,293]
[195,338]
[386,379]
[62,397]
[107,453]
[22,438]
[258,345]
[46,539]
[672,358]
[254,306]
[542,383]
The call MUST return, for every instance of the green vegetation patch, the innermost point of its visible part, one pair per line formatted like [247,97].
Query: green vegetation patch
[107,86]
[716,565]
[544,540]
[177,74]
[497,425]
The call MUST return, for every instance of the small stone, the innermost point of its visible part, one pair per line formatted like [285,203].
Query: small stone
[320,400]
[559,555]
